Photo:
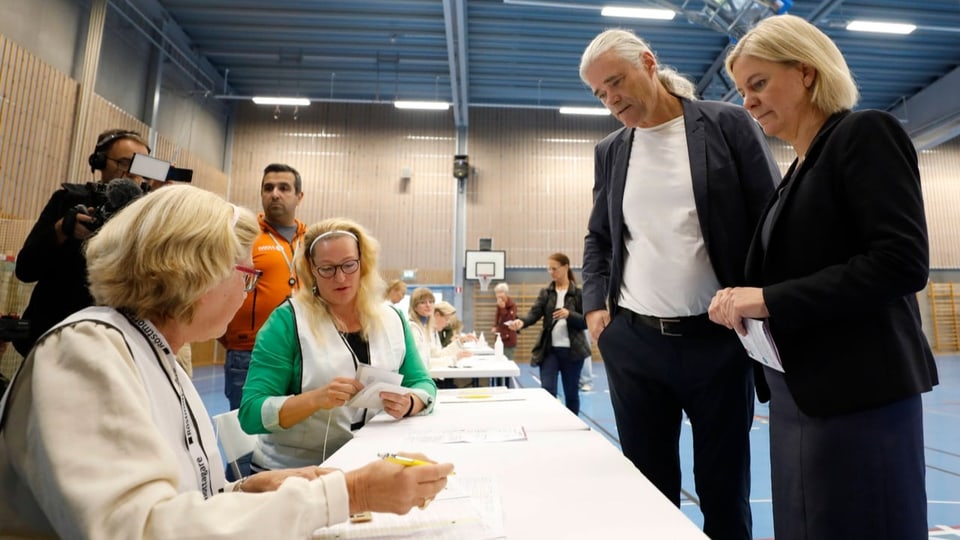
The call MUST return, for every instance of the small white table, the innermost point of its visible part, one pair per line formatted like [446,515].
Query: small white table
[475,367]
[480,408]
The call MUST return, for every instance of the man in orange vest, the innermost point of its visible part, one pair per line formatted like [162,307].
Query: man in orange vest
[281,235]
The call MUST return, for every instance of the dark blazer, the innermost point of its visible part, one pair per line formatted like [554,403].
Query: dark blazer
[847,253]
[59,270]
[733,176]
[543,306]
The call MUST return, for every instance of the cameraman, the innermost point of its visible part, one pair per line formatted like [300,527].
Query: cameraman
[52,255]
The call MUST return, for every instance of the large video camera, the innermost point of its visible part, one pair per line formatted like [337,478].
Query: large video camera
[12,328]
[108,199]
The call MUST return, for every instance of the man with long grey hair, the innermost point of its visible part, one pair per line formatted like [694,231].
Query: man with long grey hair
[677,193]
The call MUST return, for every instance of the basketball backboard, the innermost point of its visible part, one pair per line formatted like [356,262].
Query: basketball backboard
[491,263]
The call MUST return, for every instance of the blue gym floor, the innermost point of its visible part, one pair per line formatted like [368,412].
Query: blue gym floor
[942,438]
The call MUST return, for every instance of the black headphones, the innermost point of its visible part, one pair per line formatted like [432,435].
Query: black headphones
[98,159]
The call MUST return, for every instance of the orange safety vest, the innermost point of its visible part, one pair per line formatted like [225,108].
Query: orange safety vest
[272,289]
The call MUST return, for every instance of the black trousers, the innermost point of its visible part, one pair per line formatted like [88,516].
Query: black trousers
[653,379]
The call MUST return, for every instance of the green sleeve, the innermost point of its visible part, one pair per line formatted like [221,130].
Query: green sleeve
[274,367]
[415,374]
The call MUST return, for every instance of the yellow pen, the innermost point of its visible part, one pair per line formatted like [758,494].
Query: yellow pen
[405,461]
[402,460]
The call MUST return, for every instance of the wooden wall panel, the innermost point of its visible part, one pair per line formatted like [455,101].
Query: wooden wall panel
[103,116]
[205,175]
[36,114]
[532,187]
[351,159]
[940,179]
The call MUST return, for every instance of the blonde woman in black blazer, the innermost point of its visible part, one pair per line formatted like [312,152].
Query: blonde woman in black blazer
[836,264]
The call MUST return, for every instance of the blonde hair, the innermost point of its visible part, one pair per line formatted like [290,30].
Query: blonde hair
[419,295]
[396,285]
[630,47]
[445,308]
[371,289]
[789,39]
[160,254]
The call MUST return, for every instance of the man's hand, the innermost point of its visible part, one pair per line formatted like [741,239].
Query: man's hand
[76,223]
[597,322]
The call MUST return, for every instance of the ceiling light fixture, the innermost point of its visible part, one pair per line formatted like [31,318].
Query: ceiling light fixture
[265,100]
[881,27]
[591,111]
[638,13]
[422,105]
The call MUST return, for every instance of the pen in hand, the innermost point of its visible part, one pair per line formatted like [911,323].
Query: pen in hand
[403,460]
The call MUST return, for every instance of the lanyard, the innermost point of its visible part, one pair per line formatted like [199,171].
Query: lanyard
[293,246]
[199,459]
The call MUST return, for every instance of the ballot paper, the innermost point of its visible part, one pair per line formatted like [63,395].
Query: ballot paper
[375,380]
[468,509]
[760,345]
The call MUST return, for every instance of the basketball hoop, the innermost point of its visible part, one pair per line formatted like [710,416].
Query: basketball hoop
[485,280]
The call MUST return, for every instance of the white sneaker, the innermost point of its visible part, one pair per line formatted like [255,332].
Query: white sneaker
[587,387]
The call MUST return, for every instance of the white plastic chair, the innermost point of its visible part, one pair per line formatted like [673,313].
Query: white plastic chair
[235,441]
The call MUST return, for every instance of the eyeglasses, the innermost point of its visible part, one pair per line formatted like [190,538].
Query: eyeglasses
[327,271]
[250,277]
[123,163]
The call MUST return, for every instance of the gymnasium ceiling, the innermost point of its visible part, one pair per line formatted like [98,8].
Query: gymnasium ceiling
[525,53]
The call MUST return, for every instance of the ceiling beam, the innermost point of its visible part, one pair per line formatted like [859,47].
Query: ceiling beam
[932,115]
[818,13]
[713,70]
[462,54]
[450,22]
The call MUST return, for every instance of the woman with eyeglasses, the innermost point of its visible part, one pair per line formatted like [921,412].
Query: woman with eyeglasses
[303,369]
[103,435]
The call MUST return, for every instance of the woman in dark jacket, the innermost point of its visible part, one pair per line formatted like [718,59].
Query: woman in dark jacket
[562,345]
[834,268]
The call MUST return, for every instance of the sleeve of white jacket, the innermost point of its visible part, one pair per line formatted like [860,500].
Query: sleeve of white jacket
[100,469]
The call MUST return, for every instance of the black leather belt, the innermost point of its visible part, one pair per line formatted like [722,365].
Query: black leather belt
[694,325]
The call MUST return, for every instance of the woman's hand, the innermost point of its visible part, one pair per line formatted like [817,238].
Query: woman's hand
[516,325]
[271,480]
[337,393]
[382,486]
[731,305]
[467,338]
[397,405]
[561,313]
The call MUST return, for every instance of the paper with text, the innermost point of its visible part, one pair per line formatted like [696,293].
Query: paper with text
[468,509]
[760,345]
[375,380]
[479,435]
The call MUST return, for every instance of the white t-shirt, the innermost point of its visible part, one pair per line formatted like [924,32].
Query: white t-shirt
[667,271]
